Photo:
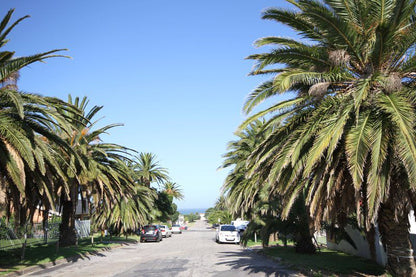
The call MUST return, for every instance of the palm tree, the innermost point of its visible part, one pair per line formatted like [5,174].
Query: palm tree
[10,65]
[172,189]
[132,210]
[95,169]
[27,124]
[248,197]
[347,137]
[148,169]
[242,193]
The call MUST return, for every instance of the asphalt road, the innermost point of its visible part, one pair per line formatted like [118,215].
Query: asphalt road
[192,253]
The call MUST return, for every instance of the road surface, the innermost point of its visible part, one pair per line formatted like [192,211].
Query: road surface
[192,253]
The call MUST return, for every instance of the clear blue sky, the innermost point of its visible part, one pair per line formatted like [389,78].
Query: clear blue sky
[172,71]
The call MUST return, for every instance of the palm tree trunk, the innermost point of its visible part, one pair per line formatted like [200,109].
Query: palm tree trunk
[45,226]
[371,239]
[303,233]
[67,233]
[394,229]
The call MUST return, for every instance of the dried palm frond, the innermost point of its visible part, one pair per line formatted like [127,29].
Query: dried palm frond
[11,81]
[339,57]
[393,83]
[319,89]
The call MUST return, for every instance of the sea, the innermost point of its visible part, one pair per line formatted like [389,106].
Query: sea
[194,210]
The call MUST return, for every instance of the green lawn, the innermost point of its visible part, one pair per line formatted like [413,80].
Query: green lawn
[326,262]
[252,243]
[41,254]
[17,243]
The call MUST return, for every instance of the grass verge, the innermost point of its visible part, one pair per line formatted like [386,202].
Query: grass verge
[252,243]
[45,253]
[325,263]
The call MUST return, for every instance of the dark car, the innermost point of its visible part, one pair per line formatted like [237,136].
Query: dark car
[150,232]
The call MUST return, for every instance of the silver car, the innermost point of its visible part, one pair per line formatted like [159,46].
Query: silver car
[166,232]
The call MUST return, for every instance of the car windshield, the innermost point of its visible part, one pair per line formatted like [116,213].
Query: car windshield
[176,225]
[228,228]
[149,228]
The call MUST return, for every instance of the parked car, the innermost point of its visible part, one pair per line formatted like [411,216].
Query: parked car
[166,232]
[215,225]
[227,234]
[176,228]
[241,228]
[241,225]
[151,232]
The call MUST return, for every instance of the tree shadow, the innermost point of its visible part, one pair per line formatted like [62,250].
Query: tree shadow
[252,263]
[325,263]
[41,257]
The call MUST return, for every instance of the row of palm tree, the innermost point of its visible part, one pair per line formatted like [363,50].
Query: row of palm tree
[52,156]
[344,141]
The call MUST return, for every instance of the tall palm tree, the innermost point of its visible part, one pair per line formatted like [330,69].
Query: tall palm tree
[346,138]
[27,124]
[129,212]
[173,189]
[95,169]
[149,170]
[247,196]
[10,65]
[241,193]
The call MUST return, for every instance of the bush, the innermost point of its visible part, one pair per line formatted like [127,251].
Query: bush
[192,217]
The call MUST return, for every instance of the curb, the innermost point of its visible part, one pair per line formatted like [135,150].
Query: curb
[48,265]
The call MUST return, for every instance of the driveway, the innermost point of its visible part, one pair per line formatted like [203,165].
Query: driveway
[192,253]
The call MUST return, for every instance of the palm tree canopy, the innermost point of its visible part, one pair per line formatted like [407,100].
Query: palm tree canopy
[354,99]
[10,65]
[346,136]
[149,170]
[173,189]
[242,192]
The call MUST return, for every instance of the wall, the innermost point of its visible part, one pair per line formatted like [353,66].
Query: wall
[363,249]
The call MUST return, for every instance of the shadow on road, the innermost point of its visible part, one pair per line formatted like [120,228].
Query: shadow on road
[252,263]
[45,268]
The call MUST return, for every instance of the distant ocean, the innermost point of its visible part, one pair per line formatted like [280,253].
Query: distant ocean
[196,210]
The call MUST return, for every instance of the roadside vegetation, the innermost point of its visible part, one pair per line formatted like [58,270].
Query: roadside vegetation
[341,145]
[325,262]
[192,217]
[40,254]
[218,214]
[53,157]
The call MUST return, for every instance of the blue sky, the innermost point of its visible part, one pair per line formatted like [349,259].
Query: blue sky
[173,72]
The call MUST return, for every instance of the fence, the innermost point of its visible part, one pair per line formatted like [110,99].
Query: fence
[12,237]
[83,228]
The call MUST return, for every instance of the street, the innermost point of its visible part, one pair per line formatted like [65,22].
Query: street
[192,253]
